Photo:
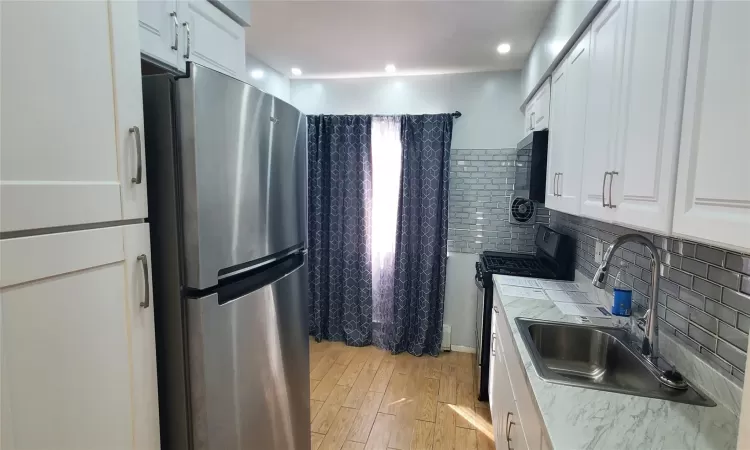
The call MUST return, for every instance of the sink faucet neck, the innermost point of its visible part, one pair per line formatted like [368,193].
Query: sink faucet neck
[650,345]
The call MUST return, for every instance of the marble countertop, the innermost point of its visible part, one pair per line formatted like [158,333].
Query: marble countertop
[578,418]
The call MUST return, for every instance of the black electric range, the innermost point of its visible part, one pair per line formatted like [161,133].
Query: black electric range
[553,260]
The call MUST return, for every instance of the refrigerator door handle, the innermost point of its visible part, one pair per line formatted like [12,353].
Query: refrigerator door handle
[258,277]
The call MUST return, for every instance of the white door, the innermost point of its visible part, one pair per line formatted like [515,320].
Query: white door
[140,303]
[541,107]
[212,39]
[66,368]
[712,201]
[128,94]
[78,353]
[602,118]
[557,133]
[575,111]
[653,81]
[159,29]
[67,155]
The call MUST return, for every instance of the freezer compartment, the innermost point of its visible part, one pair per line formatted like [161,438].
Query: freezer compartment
[248,361]
[243,163]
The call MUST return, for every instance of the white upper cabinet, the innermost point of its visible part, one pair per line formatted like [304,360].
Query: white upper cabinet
[712,201]
[536,114]
[570,160]
[556,142]
[541,107]
[79,360]
[160,28]
[645,163]
[211,38]
[174,32]
[606,58]
[68,156]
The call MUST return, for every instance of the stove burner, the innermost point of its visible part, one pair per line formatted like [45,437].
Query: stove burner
[495,263]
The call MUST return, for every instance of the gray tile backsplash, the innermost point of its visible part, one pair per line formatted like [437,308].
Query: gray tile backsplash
[481,185]
[704,301]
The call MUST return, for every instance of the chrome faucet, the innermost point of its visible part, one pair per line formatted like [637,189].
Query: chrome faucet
[650,345]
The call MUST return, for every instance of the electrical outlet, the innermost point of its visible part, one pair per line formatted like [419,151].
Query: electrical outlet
[598,251]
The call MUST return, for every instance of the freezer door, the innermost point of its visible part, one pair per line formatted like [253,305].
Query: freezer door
[248,365]
[244,174]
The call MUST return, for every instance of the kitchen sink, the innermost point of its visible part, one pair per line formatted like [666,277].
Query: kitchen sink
[596,357]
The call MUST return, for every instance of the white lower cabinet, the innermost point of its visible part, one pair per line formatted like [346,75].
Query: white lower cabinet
[78,353]
[515,419]
[712,201]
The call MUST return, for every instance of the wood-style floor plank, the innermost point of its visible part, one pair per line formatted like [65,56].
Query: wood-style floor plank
[423,435]
[336,435]
[365,398]
[362,425]
[328,382]
[316,439]
[381,432]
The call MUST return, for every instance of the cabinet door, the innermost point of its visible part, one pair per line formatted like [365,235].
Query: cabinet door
[712,201]
[59,160]
[79,363]
[142,338]
[577,74]
[128,94]
[68,157]
[541,107]
[557,133]
[602,119]
[528,117]
[491,390]
[653,82]
[212,39]
[66,367]
[159,28]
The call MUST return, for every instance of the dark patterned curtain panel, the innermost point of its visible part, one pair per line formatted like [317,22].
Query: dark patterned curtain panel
[339,205]
[422,234]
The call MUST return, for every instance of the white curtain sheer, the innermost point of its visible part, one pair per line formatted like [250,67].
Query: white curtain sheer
[386,179]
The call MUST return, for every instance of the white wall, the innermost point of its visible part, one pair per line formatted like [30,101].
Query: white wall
[488,101]
[272,82]
[567,20]
[490,120]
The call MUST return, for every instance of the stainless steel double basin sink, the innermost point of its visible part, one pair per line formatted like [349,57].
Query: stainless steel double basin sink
[597,358]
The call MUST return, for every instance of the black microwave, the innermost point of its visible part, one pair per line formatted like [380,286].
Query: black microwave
[531,166]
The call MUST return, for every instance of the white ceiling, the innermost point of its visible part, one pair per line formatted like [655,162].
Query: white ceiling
[349,38]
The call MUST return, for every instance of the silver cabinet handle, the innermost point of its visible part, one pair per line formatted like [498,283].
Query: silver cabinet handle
[147,290]
[532,120]
[559,181]
[554,184]
[611,180]
[604,183]
[187,39]
[173,15]
[495,308]
[509,424]
[494,335]
[138,178]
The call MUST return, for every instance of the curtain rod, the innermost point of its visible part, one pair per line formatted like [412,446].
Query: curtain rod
[456,114]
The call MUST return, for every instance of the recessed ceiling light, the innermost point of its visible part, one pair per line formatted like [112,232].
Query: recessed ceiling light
[390,68]
[257,74]
[503,48]
[296,71]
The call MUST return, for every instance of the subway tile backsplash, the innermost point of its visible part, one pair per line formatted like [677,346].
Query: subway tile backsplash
[481,185]
[704,296]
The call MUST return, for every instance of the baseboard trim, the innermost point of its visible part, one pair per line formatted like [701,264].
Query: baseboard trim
[463,349]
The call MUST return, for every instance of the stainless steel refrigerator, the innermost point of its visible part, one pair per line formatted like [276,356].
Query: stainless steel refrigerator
[227,170]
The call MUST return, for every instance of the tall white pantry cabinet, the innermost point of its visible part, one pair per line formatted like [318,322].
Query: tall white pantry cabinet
[78,363]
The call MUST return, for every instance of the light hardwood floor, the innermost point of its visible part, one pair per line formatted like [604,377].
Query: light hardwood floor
[367,399]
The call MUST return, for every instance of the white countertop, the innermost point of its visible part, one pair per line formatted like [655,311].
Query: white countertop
[578,418]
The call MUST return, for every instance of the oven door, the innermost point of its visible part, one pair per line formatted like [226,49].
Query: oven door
[478,281]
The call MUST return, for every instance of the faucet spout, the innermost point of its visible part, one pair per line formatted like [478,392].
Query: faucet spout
[650,346]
